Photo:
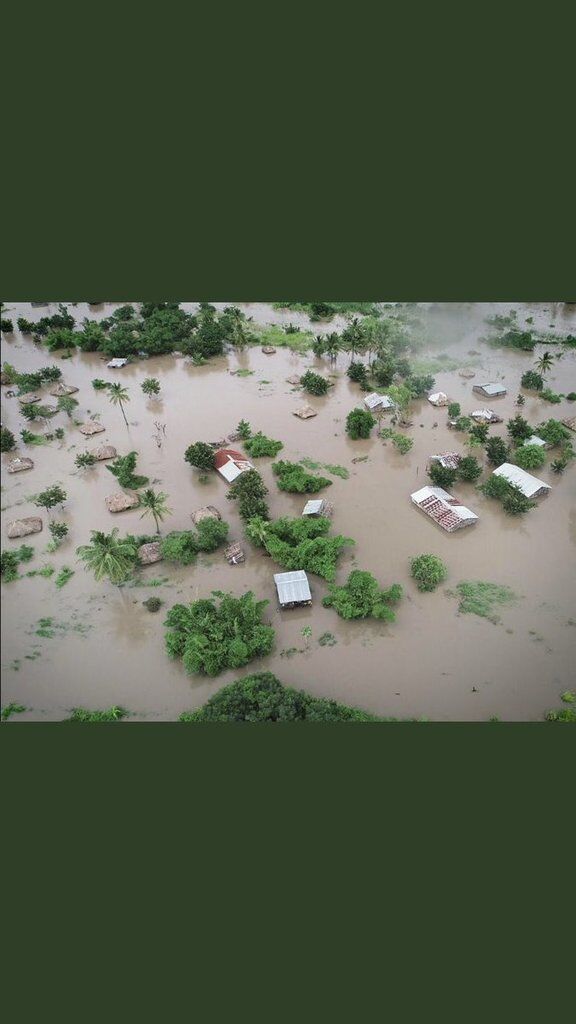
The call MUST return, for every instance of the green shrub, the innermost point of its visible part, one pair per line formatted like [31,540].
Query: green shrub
[359,423]
[497,451]
[469,469]
[564,715]
[314,383]
[250,491]
[532,381]
[454,410]
[463,423]
[441,476]
[7,440]
[259,446]
[428,571]
[211,533]
[152,604]
[200,455]
[244,430]
[211,638]
[530,456]
[63,576]
[113,714]
[262,698]
[299,544]
[479,598]
[6,326]
[180,546]
[357,373]
[553,432]
[550,396]
[292,477]
[123,469]
[361,598]
[84,460]
[512,498]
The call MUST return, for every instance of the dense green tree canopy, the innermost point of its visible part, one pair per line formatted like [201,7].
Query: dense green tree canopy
[361,598]
[211,637]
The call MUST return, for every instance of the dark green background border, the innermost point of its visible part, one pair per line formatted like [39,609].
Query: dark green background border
[313,872]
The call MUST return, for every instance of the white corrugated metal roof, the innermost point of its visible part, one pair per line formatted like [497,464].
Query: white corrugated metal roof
[528,484]
[116,363]
[374,400]
[490,389]
[292,587]
[536,440]
[438,398]
[482,414]
[313,508]
[449,502]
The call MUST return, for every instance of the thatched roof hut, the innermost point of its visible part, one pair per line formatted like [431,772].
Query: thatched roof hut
[61,390]
[19,464]
[30,399]
[207,512]
[91,427]
[268,350]
[103,452]
[121,502]
[150,553]
[22,527]
[305,412]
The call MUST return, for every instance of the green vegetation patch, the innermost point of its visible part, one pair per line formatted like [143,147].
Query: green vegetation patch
[63,577]
[294,479]
[113,714]
[12,709]
[480,598]
[362,598]
[210,637]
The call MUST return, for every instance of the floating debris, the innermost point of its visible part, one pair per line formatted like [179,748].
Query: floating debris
[234,554]
[268,350]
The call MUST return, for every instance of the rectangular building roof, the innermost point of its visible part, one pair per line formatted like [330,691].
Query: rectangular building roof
[374,400]
[313,508]
[536,440]
[292,587]
[490,390]
[443,508]
[528,484]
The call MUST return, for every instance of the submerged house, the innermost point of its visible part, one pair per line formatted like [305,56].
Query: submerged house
[530,486]
[490,390]
[443,508]
[293,589]
[449,460]
[230,464]
[535,440]
[438,398]
[485,416]
[115,364]
[374,402]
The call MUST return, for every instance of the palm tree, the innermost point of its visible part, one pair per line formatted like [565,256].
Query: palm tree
[545,362]
[257,530]
[108,557]
[118,395]
[154,504]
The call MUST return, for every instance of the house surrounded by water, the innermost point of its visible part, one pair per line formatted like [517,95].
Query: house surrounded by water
[230,464]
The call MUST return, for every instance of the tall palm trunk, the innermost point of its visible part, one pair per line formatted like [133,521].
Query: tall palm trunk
[123,413]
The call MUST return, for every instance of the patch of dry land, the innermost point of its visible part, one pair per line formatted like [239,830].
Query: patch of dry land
[95,645]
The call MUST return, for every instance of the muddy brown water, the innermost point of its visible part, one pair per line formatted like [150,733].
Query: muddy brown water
[431,662]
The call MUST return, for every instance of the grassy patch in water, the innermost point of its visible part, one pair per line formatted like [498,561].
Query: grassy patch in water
[273,334]
[334,470]
[113,714]
[12,709]
[481,598]
[243,373]
[47,572]
[327,640]
[63,576]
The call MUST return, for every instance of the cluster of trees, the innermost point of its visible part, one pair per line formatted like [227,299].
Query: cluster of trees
[27,382]
[123,469]
[530,456]
[7,440]
[293,478]
[200,455]
[469,470]
[532,380]
[299,543]
[513,500]
[250,491]
[263,698]
[497,451]
[361,598]
[10,561]
[62,320]
[210,637]
[183,546]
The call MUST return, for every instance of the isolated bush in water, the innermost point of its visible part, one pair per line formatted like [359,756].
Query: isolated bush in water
[357,373]
[361,598]
[497,451]
[292,477]
[553,432]
[211,637]
[441,476]
[314,383]
[263,698]
[182,546]
[454,410]
[428,571]
[250,491]
[359,423]
[530,456]
[123,469]
[532,381]
[7,440]
[200,455]
[259,446]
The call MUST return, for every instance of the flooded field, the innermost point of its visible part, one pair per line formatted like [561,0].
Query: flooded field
[434,662]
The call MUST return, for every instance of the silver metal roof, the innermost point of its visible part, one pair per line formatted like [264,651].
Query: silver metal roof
[313,508]
[490,389]
[292,586]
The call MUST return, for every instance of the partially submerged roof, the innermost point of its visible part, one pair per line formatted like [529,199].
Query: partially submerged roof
[91,427]
[376,401]
[305,412]
[292,587]
[443,508]
[450,460]
[535,440]
[150,553]
[490,390]
[22,527]
[485,416]
[121,502]
[115,364]
[234,553]
[230,463]
[30,399]
[103,452]
[206,512]
[438,398]
[61,390]
[313,507]
[570,422]
[19,464]
[530,485]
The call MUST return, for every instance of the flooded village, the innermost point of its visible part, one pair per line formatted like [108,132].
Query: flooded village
[492,638]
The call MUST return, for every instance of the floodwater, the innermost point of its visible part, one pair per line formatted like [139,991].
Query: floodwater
[432,662]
